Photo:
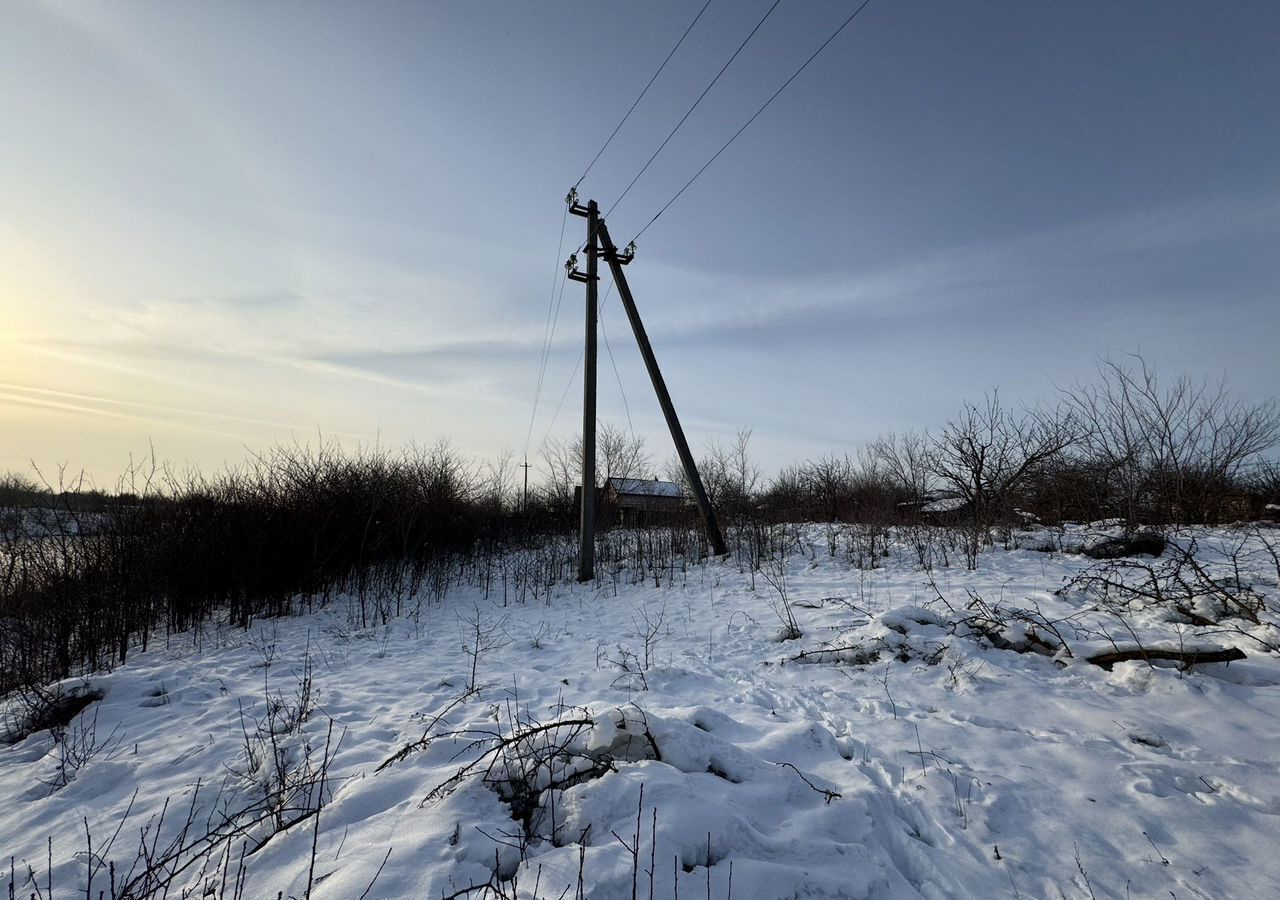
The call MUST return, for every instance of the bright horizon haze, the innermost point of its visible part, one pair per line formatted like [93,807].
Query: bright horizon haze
[227,226]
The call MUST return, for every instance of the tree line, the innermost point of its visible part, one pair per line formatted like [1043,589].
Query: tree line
[85,575]
[1126,446]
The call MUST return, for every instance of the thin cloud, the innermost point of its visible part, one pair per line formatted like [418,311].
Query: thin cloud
[55,397]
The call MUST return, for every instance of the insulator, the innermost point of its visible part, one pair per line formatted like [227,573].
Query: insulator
[571,197]
[571,264]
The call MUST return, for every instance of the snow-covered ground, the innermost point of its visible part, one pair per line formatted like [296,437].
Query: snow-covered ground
[891,751]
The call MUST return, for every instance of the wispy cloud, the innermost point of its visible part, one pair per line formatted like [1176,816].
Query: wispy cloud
[1036,267]
[187,417]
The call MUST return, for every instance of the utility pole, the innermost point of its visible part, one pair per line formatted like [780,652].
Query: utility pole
[616,261]
[524,505]
[587,510]
[598,241]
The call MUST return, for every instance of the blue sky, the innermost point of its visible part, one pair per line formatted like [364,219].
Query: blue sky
[228,225]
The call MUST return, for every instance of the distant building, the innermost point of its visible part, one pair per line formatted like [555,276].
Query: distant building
[635,501]
[943,507]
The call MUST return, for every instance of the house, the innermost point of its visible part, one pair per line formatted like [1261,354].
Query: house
[635,501]
[944,507]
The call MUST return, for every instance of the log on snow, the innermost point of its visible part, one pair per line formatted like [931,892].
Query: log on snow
[1185,658]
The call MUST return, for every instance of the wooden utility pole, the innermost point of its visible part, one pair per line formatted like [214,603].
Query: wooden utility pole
[587,509]
[598,241]
[524,503]
[616,262]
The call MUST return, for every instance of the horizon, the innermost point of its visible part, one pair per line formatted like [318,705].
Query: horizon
[233,227]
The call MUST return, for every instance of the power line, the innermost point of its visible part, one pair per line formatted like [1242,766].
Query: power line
[625,405]
[560,405]
[548,330]
[546,356]
[688,113]
[574,373]
[754,115]
[622,122]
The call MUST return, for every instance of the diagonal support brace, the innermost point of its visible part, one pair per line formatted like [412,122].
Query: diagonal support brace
[616,262]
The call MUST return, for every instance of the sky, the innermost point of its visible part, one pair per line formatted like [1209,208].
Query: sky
[227,226]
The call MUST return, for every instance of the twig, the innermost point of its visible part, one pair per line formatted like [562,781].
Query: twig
[826,794]
[377,873]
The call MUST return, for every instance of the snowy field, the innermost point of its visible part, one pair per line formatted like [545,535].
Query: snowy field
[929,734]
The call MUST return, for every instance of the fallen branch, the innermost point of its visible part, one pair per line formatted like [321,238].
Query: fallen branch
[425,741]
[854,654]
[498,745]
[1185,658]
[826,794]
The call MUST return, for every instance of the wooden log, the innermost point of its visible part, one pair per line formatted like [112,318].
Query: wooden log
[1185,658]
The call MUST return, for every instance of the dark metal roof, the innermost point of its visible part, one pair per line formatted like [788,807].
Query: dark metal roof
[645,488]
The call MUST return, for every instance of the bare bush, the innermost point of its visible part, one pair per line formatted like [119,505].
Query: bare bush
[906,459]
[1169,452]
[773,569]
[729,475]
[479,636]
[1182,586]
[619,454]
[33,709]
[989,452]
[85,578]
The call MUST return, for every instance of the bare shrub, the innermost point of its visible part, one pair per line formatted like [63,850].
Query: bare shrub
[1181,585]
[478,637]
[34,709]
[773,569]
[1169,452]
[989,452]
[86,577]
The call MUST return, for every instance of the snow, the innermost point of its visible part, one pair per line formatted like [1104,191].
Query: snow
[645,487]
[944,505]
[895,750]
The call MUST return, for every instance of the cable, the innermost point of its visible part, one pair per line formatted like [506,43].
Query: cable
[704,93]
[548,330]
[574,374]
[625,405]
[614,133]
[560,405]
[708,163]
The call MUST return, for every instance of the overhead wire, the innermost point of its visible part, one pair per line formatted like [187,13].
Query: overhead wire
[625,405]
[685,117]
[548,330]
[636,178]
[755,115]
[548,336]
[836,33]
[636,103]
[559,406]
[574,374]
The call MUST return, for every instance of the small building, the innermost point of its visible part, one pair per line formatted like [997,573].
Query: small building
[635,501]
[941,508]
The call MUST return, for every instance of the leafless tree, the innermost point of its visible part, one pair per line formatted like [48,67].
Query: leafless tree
[988,452]
[906,460]
[498,478]
[619,454]
[1169,452]
[730,477]
[1264,482]
[562,464]
[828,481]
